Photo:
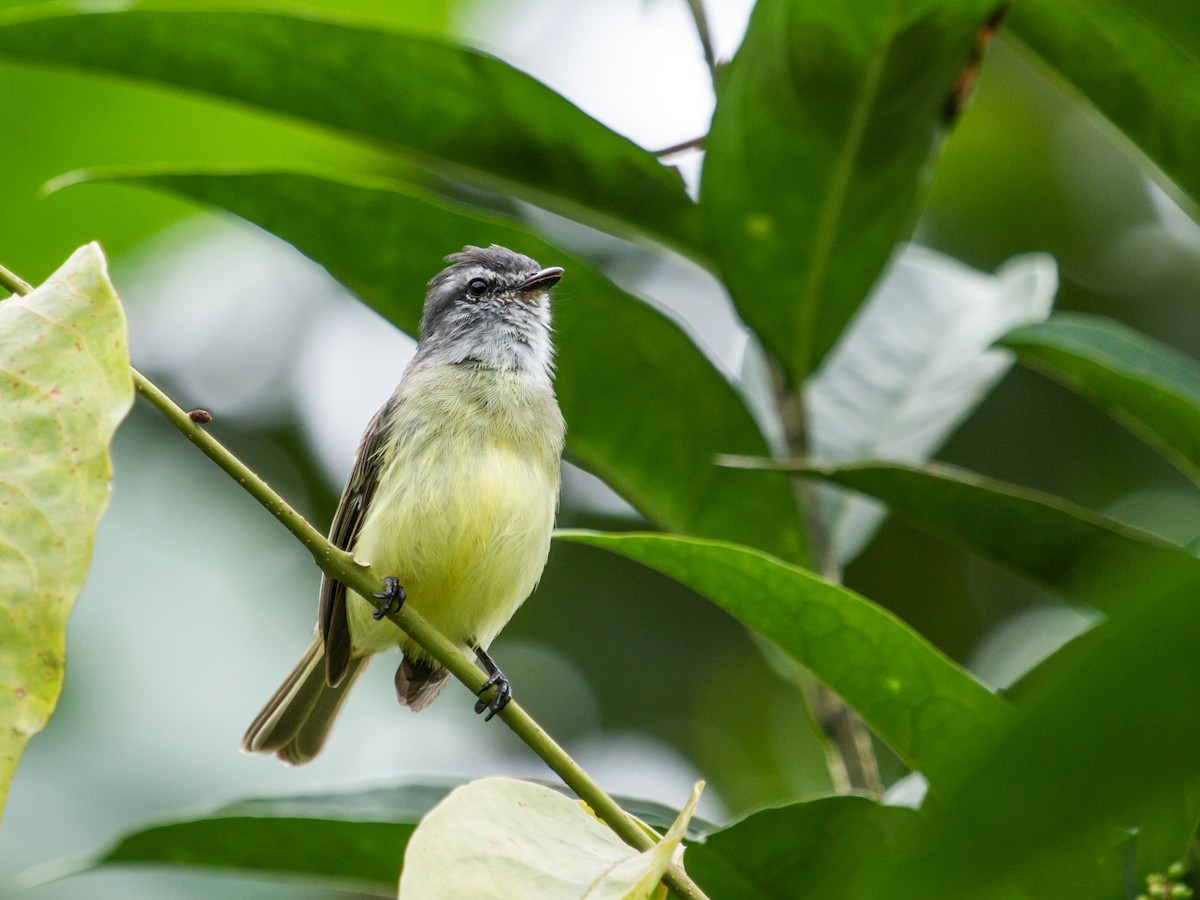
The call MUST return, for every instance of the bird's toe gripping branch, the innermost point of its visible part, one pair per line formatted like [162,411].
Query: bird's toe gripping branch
[392,597]
[497,680]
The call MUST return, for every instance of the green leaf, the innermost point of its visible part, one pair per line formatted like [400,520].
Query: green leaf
[457,111]
[826,122]
[501,838]
[1136,61]
[911,695]
[1102,735]
[645,410]
[64,365]
[363,857]
[913,364]
[1151,388]
[352,840]
[825,849]
[1169,826]
[1044,537]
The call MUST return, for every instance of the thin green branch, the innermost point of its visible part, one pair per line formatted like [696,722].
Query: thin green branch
[358,577]
[13,283]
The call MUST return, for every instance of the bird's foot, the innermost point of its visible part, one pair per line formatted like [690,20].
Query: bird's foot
[393,597]
[497,680]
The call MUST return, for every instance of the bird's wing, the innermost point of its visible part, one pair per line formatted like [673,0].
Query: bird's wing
[347,522]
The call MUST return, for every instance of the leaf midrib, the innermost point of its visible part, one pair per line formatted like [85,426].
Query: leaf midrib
[830,215]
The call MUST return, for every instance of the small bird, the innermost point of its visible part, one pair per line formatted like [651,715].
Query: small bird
[452,497]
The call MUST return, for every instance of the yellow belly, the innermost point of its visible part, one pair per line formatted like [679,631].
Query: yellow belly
[466,530]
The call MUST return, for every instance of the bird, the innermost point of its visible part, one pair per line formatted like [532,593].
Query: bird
[451,499]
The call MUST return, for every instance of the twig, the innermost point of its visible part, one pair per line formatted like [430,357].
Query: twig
[13,283]
[701,20]
[681,146]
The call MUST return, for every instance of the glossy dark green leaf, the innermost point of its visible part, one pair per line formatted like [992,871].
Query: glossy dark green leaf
[1169,825]
[1102,736]
[645,410]
[1150,387]
[828,849]
[911,695]
[353,840]
[355,856]
[1136,61]
[826,122]
[1044,537]
[455,110]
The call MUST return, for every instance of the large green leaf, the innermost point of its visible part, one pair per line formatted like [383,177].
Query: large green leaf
[645,410]
[911,695]
[452,109]
[1103,736]
[353,840]
[821,142]
[1137,61]
[1044,537]
[64,367]
[827,849]
[1098,746]
[359,856]
[1151,388]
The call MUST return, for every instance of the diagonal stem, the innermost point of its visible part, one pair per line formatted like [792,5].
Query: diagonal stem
[14,284]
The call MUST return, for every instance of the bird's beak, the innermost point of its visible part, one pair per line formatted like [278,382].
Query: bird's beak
[540,281]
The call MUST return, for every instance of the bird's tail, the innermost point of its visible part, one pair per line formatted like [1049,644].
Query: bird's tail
[418,683]
[296,720]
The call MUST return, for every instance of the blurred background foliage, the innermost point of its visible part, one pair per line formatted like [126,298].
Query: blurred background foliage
[647,686]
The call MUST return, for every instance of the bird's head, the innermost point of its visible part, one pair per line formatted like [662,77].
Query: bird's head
[489,307]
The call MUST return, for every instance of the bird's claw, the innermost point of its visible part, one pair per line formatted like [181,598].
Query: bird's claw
[497,680]
[393,597]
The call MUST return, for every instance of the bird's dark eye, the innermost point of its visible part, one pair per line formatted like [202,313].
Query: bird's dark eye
[477,287]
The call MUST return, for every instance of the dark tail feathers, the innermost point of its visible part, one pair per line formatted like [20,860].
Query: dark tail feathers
[418,683]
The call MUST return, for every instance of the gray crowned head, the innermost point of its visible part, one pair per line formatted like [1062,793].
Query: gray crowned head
[489,308]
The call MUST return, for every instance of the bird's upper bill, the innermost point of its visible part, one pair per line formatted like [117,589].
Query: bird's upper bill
[541,280]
